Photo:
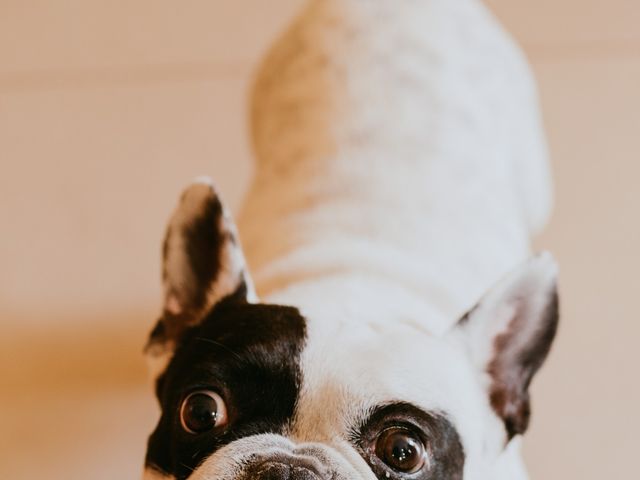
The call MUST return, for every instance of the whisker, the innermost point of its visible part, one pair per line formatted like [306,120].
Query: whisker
[221,345]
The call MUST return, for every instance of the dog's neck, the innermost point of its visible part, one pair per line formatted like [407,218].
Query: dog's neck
[397,142]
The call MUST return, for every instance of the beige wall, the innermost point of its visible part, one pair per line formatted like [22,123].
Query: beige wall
[108,108]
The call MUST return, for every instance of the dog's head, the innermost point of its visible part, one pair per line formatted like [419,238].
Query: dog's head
[258,391]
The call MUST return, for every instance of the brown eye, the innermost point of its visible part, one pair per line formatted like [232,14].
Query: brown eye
[401,449]
[202,411]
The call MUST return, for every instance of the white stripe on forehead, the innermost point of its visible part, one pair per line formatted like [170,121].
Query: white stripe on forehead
[362,301]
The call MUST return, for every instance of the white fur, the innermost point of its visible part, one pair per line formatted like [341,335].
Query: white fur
[399,139]
[401,172]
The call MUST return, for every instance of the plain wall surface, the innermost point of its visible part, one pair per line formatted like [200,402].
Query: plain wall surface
[107,109]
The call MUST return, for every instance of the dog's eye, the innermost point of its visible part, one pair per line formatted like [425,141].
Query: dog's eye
[401,449]
[202,411]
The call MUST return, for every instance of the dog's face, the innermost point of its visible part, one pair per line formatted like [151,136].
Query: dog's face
[255,391]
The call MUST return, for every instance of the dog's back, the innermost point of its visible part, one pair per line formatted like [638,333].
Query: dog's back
[397,140]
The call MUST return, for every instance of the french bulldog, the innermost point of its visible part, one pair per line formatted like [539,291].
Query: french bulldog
[394,316]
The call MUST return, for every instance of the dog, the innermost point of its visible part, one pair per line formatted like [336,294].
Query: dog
[401,172]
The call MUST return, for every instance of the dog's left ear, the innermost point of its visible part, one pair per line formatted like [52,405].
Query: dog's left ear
[509,334]
[202,264]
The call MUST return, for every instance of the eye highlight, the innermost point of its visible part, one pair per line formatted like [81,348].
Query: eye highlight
[202,411]
[401,449]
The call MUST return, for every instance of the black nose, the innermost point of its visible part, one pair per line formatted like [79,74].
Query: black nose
[283,471]
[287,467]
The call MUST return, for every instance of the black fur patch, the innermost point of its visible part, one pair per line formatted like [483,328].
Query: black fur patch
[249,354]
[203,241]
[443,443]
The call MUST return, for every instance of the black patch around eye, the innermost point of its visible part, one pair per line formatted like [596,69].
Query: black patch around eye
[445,450]
[249,354]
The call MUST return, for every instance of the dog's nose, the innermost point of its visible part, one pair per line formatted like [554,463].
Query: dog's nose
[288,468]
[283,471]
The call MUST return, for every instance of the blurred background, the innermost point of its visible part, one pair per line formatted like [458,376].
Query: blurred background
[107,109]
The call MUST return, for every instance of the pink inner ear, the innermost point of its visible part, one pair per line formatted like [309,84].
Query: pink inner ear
[172,305]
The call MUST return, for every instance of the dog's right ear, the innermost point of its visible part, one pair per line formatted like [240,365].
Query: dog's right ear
[202,264]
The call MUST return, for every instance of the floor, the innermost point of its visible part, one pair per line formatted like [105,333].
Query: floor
[107,106]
